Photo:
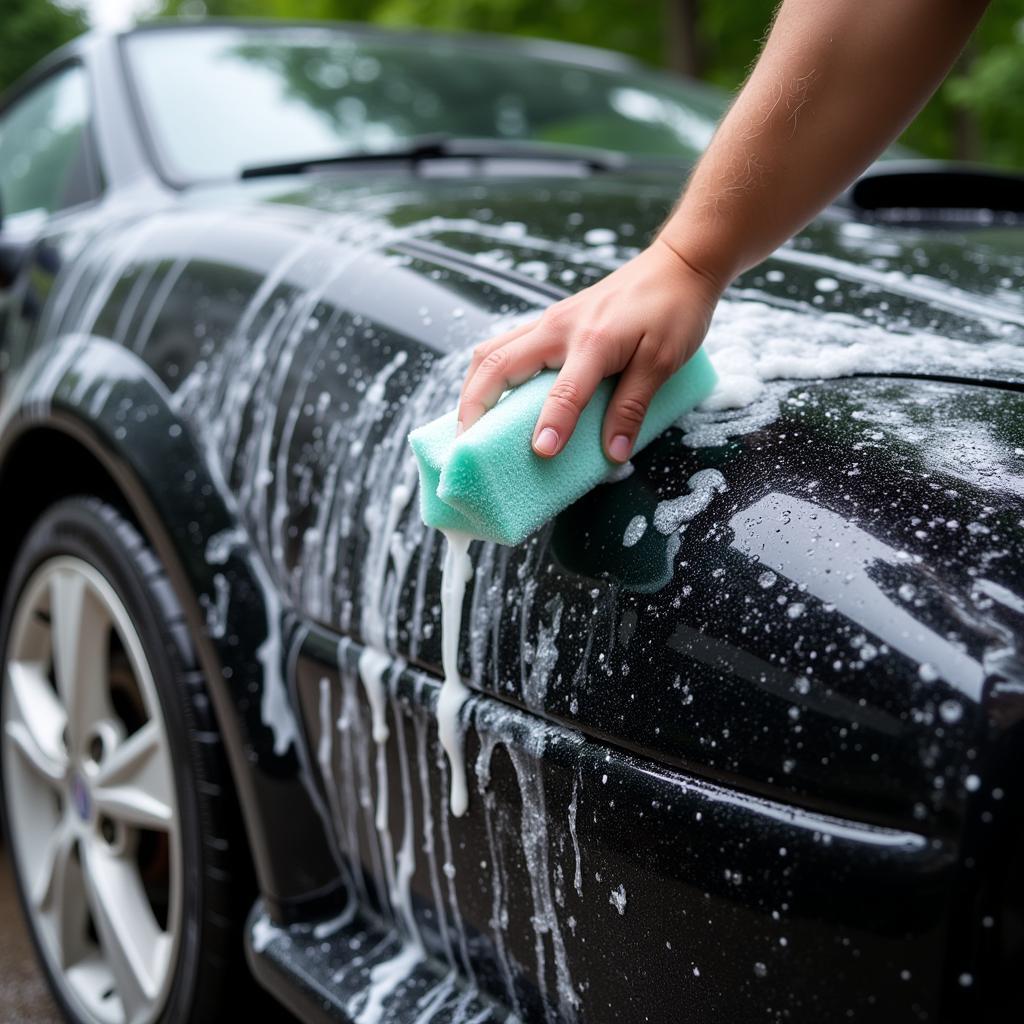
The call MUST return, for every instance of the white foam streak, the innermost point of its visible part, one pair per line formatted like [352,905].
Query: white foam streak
[457,569]
[752,343]
[384,980]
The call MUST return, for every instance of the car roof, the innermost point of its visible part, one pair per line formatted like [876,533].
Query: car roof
[543,49]
[570,53]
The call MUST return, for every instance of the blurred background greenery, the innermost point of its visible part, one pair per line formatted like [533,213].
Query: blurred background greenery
[977,115]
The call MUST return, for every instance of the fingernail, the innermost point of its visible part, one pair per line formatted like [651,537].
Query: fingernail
[459,428]
[547,441]
[619,447]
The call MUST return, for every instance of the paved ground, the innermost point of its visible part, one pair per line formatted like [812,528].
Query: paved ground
[24,998]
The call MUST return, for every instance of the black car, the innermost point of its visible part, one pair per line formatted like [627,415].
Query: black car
[745,735]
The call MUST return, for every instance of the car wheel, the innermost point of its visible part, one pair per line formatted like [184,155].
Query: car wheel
[116,798]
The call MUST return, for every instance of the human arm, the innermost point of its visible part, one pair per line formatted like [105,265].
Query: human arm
[836,82]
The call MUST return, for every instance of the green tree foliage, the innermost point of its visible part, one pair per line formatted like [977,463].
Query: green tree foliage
[989,86]
[29,30]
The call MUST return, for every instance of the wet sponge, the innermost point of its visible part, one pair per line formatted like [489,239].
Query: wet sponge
[490,484]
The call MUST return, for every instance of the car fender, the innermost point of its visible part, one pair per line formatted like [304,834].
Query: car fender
[110,402]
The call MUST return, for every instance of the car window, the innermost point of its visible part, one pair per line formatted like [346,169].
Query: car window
[220,99]
[41,140]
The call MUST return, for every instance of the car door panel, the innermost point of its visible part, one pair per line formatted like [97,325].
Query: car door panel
[588,883]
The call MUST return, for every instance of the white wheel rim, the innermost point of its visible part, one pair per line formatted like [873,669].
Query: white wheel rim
[90,795]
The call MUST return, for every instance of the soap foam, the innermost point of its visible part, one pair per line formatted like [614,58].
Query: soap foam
[669,516]
[635,530]
[751,343]
[457,569]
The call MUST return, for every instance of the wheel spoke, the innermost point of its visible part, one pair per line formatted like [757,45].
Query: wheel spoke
[81,634]
[135,949]
[52,867]
[57,894]
[36,722]
[134,784]
[73,651]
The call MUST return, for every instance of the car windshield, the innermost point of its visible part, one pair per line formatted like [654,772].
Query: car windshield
[220,99]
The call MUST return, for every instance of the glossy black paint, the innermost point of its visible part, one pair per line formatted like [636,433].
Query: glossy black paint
[243,358]
[730,900]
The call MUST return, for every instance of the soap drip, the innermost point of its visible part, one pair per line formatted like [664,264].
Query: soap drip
[458,567]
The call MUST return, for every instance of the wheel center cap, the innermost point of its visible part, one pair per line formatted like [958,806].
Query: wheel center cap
[80,797]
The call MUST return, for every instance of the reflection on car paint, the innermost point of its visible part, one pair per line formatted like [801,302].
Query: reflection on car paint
[840,574]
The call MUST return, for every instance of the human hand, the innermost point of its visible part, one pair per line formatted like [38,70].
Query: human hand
[643,321]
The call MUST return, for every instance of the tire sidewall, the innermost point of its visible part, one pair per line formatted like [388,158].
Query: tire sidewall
[96,533]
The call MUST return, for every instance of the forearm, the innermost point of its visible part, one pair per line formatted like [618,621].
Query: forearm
[836,83]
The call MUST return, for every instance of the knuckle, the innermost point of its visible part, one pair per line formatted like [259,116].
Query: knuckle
[566,394]
[631,410]
[495,363]
[662,363]
[556,318]
[471,396]
[591,339]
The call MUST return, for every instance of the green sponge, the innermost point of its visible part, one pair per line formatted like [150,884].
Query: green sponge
[490,484]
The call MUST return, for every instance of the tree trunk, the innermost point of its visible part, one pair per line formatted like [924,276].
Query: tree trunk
[682,44]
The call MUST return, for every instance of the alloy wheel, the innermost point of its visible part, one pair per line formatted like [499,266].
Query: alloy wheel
[90,795]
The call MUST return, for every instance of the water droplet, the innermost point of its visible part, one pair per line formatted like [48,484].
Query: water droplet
[951,711]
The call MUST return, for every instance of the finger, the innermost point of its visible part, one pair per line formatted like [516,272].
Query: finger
[501,369]
[480,353]
[484,349]
[573,388]
[649,368]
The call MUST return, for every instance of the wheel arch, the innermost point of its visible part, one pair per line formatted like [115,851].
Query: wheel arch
[141,472]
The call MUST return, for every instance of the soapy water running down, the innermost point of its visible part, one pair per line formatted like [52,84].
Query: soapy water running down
[458,568]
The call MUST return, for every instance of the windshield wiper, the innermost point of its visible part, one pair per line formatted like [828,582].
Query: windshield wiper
[444,147]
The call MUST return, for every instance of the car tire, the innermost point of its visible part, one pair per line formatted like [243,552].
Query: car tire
[196,875]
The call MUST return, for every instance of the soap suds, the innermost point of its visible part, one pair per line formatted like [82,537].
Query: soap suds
[669,516]
[217,609]
[573,804]
[275,707]
[458,567]
[264,931]
[753,343]
[618,899]
[636,528]
[405,863]
[384,980]
[372,666]
[544,653]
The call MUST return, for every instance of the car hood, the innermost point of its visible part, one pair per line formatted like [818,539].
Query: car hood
[880,299]
[824,602]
